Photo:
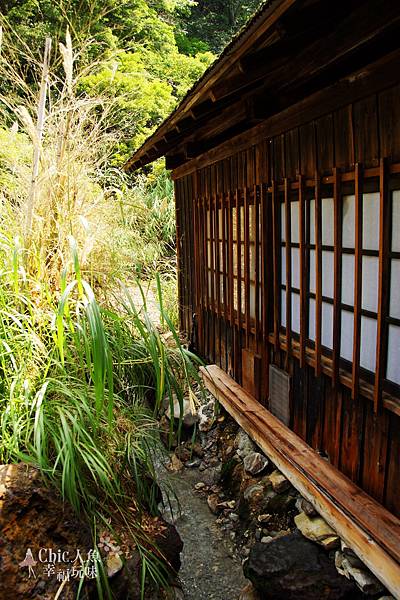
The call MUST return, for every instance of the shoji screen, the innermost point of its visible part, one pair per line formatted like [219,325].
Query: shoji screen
[393,360]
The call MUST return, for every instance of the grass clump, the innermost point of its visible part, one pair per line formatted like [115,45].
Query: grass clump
[77,373]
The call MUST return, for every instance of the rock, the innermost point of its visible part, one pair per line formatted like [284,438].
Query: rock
[248,593]
[303,505]
[207,416]
[197,449]
[200,485]
[266,539]
[234,517]
[365,580]
[264,518]
[254,463]
[175,464]
[32,516]
[243,444]
[212,501]
[279,482]
[114,564]
[253,490]
[183,453]
[193,464]
[317,530]
[293,568]
[186,412]
[278,503]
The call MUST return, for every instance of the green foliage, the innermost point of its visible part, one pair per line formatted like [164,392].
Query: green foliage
[215,22]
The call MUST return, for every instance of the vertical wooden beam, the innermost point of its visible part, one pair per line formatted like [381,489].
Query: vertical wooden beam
[288,238]
[212,282]
[239,261]
[230,261]
[247,265]
[337,275]
[256,226]
[217,282]
[224,199]
[265,286]
[318,275]
[276,249]
[358,228]
[178,209]
[303,274]
[198,261]
[383,286]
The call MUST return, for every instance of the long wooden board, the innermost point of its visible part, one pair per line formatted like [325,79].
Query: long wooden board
[366,526]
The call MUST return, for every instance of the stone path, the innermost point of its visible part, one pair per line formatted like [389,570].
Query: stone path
[208,570]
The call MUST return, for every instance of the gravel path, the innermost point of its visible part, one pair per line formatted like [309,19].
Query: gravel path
[208,571]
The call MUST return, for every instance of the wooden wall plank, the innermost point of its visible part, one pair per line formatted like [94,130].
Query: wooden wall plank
[308,158]
[325,146]
[358,223]
[365,117]
[344,137]
[288,238]
[389,123]
[337,276]
[318,275]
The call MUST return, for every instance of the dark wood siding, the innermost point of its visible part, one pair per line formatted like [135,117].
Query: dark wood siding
[342,411]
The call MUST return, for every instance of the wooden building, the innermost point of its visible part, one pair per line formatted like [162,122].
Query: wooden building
[286,161]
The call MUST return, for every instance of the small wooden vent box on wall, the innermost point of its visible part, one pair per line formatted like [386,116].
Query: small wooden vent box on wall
[279,394]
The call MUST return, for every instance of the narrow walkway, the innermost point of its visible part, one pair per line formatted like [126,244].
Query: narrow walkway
[208,570]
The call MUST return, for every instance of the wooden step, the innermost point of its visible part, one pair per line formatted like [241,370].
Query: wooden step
[365,525]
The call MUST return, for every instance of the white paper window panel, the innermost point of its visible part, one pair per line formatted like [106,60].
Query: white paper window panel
[234,236]
[327,273]
[393,360]
[312,271]
[283,222]
[220,222]
[210,259]
[252,301]
[295,252]
[211,282]
[327,218]
[348,223]
[346,337]
[348,279]
[234,258]
[312,221]
[296,268]
[370,273]
[235,293]
[295,310]
[371,221]
[396,221]
[394,310]
[294,213]
[327,323]
[283,265]
[368,343]
[283,308]
[242,222]
[327,222]
[311,319]
[252,254]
